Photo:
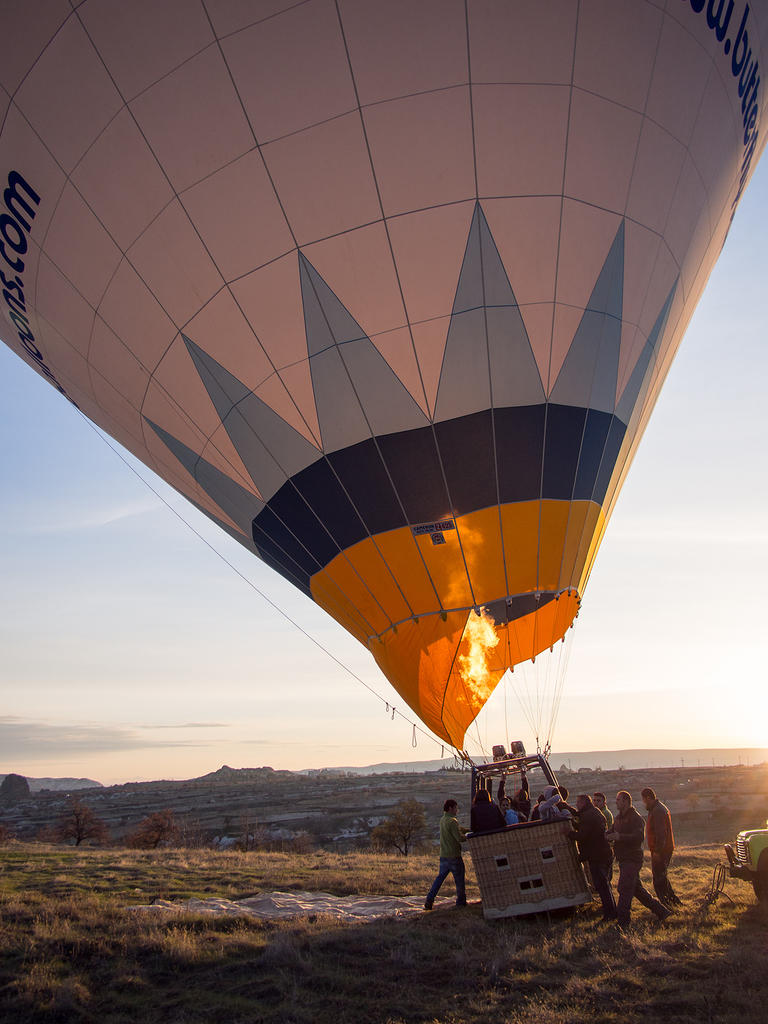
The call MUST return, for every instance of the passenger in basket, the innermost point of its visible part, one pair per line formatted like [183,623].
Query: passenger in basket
[521,802]
[536,812]
[519,809]
[485,816]
[553,807]
[451,861]
[595,851]
[523,798]
[511,817]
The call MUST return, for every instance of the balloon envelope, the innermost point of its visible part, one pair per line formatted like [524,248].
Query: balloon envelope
[387,290]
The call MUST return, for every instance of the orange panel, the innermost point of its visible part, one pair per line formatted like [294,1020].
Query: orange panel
[594,532]
[399,551]
[534,633]
[554,522]
[372,569]
[343,574]
[417,660]
[520,524]
[480,534]
[445,566]
[582,521]
[595,542]
[326,594]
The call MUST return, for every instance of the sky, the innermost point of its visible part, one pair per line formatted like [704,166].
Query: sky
[140,642]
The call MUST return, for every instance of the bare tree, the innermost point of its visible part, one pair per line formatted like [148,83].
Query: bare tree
[190,833]
[251,834]
[159,827]
[81,823]
[404,829]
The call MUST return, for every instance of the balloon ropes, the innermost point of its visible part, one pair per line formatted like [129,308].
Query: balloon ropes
[388,290]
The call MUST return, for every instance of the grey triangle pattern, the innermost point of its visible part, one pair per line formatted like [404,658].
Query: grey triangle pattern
[465,382]
[247,542]
[589,374]
[637,385]
[488,358]
[515,378]
[271,450]
[328,322]
[469,290]
[240,505]
[357,393]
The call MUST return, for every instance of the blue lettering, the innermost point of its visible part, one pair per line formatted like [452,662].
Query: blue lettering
[13,298]
[20,201]
[744,67]
[715,19]
[741,44]
[6,222]
[13,199]
[13,264]
[749,69]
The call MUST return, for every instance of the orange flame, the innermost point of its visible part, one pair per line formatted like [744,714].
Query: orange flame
[480,637]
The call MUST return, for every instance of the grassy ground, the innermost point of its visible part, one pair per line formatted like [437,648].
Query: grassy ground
[72,951]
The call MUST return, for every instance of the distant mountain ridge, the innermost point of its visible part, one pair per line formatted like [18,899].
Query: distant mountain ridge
[607,760]
[58,785]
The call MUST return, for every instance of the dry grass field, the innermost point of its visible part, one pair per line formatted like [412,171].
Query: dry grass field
[73,951]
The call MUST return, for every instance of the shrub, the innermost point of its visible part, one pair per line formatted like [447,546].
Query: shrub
[405,828]
[80,823]
[156,829]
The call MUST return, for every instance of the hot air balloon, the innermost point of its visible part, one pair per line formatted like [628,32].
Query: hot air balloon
[388,291]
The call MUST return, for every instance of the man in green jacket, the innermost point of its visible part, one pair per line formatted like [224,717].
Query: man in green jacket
[598,799]
[451,862]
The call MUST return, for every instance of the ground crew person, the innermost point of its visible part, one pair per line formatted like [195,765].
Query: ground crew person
[451,862]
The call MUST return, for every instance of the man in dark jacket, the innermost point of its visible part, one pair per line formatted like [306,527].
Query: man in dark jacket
[594,850]
[627,836]
[661,843]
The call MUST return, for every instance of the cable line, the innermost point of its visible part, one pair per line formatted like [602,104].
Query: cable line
[265,597]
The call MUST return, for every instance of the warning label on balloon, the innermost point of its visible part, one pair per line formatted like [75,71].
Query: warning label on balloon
[435,530]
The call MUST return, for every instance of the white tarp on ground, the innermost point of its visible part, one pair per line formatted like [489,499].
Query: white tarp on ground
[293,904]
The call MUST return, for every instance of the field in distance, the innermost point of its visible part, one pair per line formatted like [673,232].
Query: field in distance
[73,950]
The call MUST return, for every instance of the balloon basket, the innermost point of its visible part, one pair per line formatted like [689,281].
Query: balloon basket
[528,868]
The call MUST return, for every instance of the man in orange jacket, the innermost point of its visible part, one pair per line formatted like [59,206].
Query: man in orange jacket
[661,843]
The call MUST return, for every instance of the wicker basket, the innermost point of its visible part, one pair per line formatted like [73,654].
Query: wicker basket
[528,868]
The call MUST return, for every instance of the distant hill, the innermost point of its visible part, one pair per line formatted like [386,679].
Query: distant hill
[58,785]
[607,760]
[240,776]
[706,757]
